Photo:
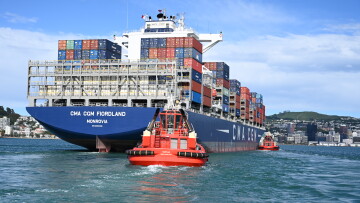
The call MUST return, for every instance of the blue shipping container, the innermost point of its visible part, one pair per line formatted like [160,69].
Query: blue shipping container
[161,43]
[180,62]
[77,54]
[235,89]
[61,55]
[222,74]
[192,53]
[78,44]
[116,49]
[105,54]
[94,54]
[222,66]
[196,97]
[237,112]
[225,108]
[196,76]
[259,101]
[85,54]
[153,43]
[145,42]
[144,53]
[179,52]
[235,83]
[225,99]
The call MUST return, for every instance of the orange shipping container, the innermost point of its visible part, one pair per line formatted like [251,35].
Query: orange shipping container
[245,96]
[170,53]
[62,44]
[170,42]
[153,53]
[210,65]
[196,86]
[179,42]
[206,91]
[70,54]
[192,63]
[161,53]
[244,90]
[94,44]
[206,101]
[86,44]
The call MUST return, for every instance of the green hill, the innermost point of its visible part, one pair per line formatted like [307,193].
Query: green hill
[306,115]
[10,113]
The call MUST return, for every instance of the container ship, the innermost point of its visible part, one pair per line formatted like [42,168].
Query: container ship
[101,94]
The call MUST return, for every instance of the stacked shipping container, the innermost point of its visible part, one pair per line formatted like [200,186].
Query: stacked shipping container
[257,100]
[245,100]
[188,53]
[235,97]
[88,49]
[221,78]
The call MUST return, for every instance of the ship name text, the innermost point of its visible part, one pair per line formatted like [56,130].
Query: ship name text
[97,113]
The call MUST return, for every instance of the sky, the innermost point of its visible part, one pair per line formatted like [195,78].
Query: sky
[301,55]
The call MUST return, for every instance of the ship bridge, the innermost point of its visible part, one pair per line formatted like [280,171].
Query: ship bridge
[163,27]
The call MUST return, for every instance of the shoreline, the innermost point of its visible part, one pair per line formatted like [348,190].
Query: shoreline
[56,138]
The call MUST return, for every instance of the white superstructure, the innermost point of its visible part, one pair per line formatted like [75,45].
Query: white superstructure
[163,27]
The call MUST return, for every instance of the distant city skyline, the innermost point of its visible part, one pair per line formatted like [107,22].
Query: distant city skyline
[301,55]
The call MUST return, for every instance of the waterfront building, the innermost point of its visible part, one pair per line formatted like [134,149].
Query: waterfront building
[311,130]
[291,128]
[4,121]
[8,130]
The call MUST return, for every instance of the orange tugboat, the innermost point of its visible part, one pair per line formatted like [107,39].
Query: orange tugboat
[267,143]
[169,142]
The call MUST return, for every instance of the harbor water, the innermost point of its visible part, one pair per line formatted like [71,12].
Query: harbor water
[36,170]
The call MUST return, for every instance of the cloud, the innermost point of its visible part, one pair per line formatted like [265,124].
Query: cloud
[296,53]
[17,47]
[298,72]
[15,18]
[352,28]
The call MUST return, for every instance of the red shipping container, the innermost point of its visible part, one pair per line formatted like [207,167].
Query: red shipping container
[196,86]
[62,44]
[237,98]
[210,65]
[192,63]
[161,53]
[94,44]
[170,42]
[179,42]
[70,54]
[170,53]
[206,101]
[191,42]
[153,54]
[86,44]
[237,105]
[244,90]
[222,83]
[245,96]
[206,91]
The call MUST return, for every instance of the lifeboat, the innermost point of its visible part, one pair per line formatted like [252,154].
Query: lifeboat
[171,141]
[267,143]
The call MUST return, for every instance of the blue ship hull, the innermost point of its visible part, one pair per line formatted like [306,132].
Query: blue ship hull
[122,127]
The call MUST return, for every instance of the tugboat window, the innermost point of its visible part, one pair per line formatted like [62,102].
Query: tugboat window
[170,120]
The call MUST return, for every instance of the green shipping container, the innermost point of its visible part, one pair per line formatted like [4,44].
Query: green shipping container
[70,44]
